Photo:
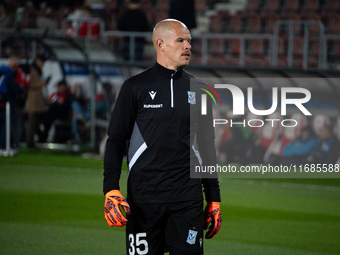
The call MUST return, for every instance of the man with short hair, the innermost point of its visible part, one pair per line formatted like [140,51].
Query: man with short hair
[153,111]
[9,88]
[328,149]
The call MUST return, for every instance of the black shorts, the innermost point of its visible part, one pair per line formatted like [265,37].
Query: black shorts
[153,227]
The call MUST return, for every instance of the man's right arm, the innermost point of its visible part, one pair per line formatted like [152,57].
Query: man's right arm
[119,131]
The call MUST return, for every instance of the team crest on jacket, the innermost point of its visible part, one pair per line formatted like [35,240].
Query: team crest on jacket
[191,97]
[192,236]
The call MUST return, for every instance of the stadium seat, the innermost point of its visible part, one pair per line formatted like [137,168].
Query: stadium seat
[337,48]
[262,5]
[273,5]
[313,62]
[216,60]
[332,5]
[225,21]
[320,121]
[314,46]
[282,5]
[253,5]
[298,47]
[264,23]
[272,19]
[254,23]
[235,23]
[235,47]
[282,62]
[293,5]
[312,5]
[257,47]
[227,47]
[314,29]
[196,46]
[230,60]
[215,23]
[215,46]
[244,24]
[334,21]
[282,47]
[295,17]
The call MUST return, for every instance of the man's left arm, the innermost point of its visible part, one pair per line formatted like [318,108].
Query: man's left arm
[206,145]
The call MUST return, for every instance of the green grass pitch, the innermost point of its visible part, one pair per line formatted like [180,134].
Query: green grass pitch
[53,204]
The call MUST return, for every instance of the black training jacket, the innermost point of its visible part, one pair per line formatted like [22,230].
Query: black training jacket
[153,113]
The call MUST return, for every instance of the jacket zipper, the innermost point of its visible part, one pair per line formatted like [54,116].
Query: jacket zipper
[172,89]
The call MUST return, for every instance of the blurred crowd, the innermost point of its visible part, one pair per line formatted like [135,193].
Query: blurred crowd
[28,13]
[88,18]
[33,113]
[309,142]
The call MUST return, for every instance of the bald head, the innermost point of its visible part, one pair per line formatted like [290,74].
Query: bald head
[165,28]
[171,39]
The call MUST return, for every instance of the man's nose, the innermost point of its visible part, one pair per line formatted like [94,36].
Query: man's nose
[187,45]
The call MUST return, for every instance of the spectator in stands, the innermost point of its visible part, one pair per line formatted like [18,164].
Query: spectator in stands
[7,15]
[297,151]
[73,17]
[23,79]
[95,26]
[48,21]
[80,113]
[104,101]
[328,148]
[60,107]
[235,148]
[133,20]
[183,11]
[79,21]
[35,102]
[8,91]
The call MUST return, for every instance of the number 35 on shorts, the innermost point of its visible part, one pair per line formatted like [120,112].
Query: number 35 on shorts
[138,244]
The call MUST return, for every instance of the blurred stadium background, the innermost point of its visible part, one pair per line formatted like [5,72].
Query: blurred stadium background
[51,200]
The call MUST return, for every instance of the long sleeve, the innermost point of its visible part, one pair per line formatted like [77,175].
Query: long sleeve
[120,129]
[206,145]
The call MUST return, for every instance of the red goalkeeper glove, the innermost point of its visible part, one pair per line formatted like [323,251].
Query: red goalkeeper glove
[112,213]
[212,215]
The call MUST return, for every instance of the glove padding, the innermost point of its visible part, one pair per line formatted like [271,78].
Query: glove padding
[112,213]
[212,215]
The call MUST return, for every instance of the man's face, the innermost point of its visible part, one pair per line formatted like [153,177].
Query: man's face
[177,47]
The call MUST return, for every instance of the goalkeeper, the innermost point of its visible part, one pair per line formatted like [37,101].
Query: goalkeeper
[164,206]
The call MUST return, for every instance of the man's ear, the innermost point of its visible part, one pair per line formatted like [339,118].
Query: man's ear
[160,44]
